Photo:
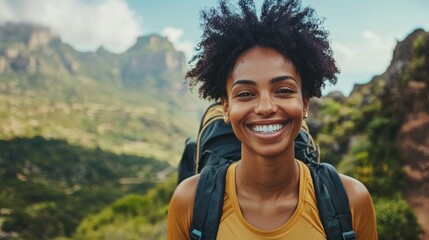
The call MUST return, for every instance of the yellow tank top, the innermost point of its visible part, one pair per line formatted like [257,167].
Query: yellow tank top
[304,223]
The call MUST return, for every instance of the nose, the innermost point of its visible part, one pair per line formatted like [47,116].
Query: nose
[265,106]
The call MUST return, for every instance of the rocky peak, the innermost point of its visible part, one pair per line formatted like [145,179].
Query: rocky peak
[403,49]
[404,87]
[153,43]
[18,40]
[41,37]
[409,74]
[152,54]
[31,35]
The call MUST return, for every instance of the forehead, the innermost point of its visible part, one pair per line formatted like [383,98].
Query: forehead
[260,52]
[262,62]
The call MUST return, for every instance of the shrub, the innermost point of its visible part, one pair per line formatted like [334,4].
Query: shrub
[396,220]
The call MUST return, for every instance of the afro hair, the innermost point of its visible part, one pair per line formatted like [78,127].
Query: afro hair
[282,25]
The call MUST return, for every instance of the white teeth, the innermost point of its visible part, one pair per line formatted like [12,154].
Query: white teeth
[267,129]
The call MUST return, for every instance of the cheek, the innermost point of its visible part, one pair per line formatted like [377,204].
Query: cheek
[298,109]
[295,109]
[237,112]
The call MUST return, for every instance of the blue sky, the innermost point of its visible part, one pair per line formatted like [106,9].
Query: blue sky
[363,32]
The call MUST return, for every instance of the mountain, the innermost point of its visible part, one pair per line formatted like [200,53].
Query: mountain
[411,88]
[135,102]
[80,130]
[380,132]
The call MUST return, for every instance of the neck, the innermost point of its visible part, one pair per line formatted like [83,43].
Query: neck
[267,178]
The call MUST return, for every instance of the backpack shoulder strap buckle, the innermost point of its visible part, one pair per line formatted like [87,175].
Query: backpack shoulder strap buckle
[195,234]
[350,235]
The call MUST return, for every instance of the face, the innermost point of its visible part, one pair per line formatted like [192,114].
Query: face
[265,102]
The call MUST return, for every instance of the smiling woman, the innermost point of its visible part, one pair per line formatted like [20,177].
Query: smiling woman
[263,91]
[264,69]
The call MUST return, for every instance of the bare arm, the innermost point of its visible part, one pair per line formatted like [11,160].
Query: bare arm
[362,209]
[181,209]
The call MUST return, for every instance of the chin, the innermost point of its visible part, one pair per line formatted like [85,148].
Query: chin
[272,152]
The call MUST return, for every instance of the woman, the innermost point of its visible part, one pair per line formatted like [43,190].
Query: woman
[264,70]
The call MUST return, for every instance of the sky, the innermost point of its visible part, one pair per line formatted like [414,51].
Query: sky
[363,33]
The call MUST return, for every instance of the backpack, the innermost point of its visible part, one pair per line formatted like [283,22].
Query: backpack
[217,147]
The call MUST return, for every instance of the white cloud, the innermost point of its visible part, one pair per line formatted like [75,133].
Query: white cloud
[342,51]
[374,39]
[86,26]
[370,53]
[375,51]
[175,36]
[5,12]
[370,35]
[360,58]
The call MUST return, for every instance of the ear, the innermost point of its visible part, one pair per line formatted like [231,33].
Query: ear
[306,102]
[225,105]
[306,105]
[226,118]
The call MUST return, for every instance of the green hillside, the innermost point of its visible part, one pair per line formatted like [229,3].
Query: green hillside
[78,130]
[134,102]
[49,186]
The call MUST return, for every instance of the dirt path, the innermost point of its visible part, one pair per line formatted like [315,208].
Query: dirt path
[413,139]
[420,204]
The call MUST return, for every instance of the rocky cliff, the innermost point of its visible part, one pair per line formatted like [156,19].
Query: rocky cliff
[380,132]
[405,92]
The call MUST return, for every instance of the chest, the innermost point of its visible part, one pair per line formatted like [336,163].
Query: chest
[268,215]
[297,218]
[233,227]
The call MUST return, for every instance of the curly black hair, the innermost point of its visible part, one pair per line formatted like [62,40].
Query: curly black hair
[283,25]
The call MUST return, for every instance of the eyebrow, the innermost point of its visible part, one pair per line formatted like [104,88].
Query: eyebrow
[282,78]
[272,81]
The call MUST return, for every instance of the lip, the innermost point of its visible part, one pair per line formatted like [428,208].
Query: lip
[267,122]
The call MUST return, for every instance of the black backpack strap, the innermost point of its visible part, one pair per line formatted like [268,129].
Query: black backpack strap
[332,202]
[208,202]
[187,163]
[217,138]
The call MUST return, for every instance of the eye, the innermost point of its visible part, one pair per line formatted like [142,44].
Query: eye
[285,90]
[244,94]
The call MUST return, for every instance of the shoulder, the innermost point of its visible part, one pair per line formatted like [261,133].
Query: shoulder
[181,209]
[361,208]
[184,194]
[357,193]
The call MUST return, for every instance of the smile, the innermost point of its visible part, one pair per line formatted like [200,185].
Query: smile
[267,129]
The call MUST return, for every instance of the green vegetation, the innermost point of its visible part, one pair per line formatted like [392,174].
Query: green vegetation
[374,160]
[362,145]
[132,217]
[81,130]
[396,220]
[359,133]
[48,186]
